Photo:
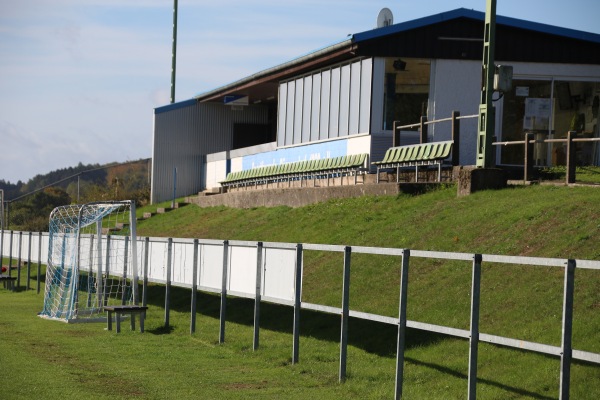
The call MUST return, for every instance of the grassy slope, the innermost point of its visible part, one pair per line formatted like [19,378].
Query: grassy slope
[522,302]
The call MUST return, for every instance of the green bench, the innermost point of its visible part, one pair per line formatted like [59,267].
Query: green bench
[424,154]
[351,165]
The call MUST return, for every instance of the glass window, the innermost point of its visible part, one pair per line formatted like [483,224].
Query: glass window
[406,90]
[549,109]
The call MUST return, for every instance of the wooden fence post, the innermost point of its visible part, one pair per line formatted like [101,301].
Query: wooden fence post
[396,134]
[528,162]
[571,159]
[455,138]
[423,129]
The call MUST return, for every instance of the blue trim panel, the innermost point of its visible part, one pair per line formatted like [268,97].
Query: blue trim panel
[175,106]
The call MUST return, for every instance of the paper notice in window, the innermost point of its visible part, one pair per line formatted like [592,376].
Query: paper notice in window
[537,114]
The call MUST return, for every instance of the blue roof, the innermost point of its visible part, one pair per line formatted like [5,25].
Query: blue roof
[476,15]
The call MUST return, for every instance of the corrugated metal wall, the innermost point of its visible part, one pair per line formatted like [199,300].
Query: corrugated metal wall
[328,104]
[183,134]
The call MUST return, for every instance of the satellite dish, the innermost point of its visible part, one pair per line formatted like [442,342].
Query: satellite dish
[385,18]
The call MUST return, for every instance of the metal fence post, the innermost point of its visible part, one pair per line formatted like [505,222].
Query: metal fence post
[145,281]
[259,266]
[567,330]
[297,304]
[168,283]
[223,307]
[39,265]
[401,340]
[29,261]
[345,314]
[474,339]
[10,253]
[19,260]
[194,288]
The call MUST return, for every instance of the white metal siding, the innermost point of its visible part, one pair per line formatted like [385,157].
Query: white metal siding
[182,138]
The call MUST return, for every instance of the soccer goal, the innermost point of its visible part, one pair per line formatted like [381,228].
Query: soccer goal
[92,261]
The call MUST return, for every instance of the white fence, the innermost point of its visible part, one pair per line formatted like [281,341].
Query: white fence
[272,272]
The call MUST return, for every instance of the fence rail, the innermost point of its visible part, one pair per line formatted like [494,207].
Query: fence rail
[272,272]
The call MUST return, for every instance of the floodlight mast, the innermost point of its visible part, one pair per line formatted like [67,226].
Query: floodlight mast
[487,112]
[174,52]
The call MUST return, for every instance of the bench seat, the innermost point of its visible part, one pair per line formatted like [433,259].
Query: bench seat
[416,155]
[299,170]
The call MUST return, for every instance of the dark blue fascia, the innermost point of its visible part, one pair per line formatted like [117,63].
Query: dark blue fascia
[175,106]
[476,15]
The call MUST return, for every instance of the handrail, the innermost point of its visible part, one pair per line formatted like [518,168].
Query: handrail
[435,121]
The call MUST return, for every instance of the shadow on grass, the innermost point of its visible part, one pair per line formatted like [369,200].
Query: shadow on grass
[371,336]
[460,375]
[374,337]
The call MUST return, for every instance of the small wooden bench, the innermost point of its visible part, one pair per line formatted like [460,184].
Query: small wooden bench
[131,310]
[8,282]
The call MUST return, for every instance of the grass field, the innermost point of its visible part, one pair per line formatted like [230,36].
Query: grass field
[48,359]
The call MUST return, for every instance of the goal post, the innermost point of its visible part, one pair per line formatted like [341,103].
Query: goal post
[92,260]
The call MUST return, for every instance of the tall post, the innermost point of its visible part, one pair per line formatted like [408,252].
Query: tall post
[19,261]
[39,265]
[401,343]
[145,282]
[257,295]
[174,52]
[345,314]
[10,253]
[134,253]
[223,308]
[194,288]
[567,330]
[168,283]
[297,305]
[29,260]
[474,339]
[487,117]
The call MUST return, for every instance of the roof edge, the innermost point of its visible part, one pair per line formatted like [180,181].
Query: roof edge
[297,61]
[477,15]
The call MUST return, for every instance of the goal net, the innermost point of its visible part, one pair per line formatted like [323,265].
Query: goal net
[92,260]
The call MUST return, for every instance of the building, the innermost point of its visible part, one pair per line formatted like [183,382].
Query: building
[344,98]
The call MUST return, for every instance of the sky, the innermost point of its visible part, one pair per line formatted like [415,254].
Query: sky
[79,79]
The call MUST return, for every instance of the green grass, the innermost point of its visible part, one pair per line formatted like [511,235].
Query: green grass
[517,301]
